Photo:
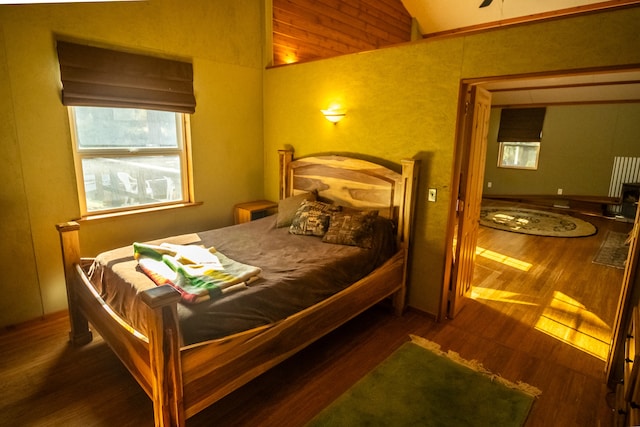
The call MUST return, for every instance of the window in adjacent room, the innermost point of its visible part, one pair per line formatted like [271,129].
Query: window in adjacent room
[520,155]
[519,137]
[129,116]
[128,158]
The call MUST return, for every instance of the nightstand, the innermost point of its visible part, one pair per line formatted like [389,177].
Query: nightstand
[245,212]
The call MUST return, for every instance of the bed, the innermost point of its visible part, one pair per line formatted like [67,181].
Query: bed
[182,353]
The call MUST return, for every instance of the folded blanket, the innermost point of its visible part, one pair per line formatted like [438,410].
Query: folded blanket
[196,272]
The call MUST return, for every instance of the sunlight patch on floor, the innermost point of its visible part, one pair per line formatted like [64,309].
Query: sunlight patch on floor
[488,294]
[503,259]
[570,322]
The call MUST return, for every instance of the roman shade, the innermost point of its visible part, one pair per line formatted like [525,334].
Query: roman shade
[521,124]
[99,77]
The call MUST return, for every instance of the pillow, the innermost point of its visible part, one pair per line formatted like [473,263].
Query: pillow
[287,208]
[312,218]
[351,228]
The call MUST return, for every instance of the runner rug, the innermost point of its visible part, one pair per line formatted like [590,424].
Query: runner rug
[420,385]
[614,250]
[539,223]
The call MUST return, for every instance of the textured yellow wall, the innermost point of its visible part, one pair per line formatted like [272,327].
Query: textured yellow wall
[223,39]
[402,102]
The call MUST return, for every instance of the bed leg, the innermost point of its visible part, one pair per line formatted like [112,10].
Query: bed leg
[80,333]
[164,352]
[398,301]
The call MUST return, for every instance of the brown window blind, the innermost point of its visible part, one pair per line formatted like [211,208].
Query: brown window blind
[98,77]
[521,124]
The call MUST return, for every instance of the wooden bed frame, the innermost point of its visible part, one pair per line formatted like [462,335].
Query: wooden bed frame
[182,381]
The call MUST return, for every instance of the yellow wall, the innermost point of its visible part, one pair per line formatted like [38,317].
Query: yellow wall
[402,102]
[223,39]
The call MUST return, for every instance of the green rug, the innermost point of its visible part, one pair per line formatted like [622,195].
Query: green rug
[419,385]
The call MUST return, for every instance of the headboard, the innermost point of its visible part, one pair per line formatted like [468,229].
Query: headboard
[355,183]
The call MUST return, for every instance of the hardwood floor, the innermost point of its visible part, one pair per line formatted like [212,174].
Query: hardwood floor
[551,283]
[47,382]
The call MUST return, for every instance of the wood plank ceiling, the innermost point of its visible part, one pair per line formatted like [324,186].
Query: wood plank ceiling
[305,30]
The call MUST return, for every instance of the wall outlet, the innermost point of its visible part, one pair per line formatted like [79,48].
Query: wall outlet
[489,184]
[559,190]
[433,194]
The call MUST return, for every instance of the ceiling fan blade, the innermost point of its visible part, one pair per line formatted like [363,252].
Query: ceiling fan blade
[486,3]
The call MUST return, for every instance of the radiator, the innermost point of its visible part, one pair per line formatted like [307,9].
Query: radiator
[625,169]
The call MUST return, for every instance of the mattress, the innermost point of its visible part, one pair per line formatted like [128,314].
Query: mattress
[298,271]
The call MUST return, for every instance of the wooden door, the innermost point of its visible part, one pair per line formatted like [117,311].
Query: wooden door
[473,145]
[628,298]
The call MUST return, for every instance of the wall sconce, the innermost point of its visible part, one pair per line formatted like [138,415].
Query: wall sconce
[334,115]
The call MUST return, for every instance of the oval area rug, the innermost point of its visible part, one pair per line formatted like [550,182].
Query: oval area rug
[535,222]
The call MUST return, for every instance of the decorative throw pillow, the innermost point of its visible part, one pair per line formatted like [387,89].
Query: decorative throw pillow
[351,228]
[287,208]
[312,218]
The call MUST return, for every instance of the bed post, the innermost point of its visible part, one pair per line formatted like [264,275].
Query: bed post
[70,245]
[164,355]
[285,156]
[410,170]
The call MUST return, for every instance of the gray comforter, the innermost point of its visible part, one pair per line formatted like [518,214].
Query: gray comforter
[297,272]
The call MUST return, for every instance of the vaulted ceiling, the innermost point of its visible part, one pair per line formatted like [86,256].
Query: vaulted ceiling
[306,30]
[437,17]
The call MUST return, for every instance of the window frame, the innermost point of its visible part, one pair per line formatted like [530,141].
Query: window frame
[504,144]
[183,151]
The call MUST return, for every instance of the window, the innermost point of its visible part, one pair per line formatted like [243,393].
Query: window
[129,116]
[519,137]
[129,158]
[519,155]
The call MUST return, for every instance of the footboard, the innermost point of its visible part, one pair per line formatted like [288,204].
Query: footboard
[154,361]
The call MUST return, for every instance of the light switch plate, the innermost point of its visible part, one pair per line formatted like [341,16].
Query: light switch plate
[432,195]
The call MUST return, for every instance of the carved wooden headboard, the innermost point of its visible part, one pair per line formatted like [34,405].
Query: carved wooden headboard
[353,182]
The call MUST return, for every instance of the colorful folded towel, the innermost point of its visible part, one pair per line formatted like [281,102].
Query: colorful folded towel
[196,272]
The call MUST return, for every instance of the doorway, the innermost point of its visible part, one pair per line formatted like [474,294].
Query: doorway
[571,89]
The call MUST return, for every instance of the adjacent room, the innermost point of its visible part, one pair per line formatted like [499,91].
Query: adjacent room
[535,260]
